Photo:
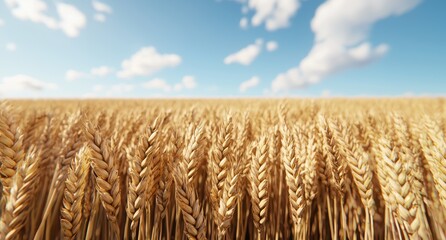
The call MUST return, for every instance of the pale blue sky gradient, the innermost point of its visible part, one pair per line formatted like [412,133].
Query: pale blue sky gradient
[203,33]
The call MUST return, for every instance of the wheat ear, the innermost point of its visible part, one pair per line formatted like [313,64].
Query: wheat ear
[106,175]
[139,175]
[228,201]
[190,153]
[187,200]
[73,200]
[21,197]
[402,199]
[434,149]
[294,182]
[358,162]
[11,150]
[259,185]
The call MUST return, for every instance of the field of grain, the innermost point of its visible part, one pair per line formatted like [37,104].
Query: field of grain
[223,169]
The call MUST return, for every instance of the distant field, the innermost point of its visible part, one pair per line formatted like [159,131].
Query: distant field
[223,169]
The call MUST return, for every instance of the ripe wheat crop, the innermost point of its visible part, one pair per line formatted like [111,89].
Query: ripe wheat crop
[223,169]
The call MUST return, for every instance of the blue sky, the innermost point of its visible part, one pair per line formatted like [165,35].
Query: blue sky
[208,48]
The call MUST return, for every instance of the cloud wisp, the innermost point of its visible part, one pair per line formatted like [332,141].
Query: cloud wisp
[187,82]
[11,47]
[275,14]
[22,82]
[245,56]
[157,84]
[251,83]
[71,19]
[147,61]
[272,46]
[341,30]
[102,10]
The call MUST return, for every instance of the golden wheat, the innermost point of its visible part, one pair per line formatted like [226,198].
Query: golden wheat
[223,169]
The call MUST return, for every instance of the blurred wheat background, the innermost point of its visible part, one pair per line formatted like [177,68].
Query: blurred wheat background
[223,169]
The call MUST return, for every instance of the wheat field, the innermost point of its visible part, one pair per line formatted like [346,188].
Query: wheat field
[223,169]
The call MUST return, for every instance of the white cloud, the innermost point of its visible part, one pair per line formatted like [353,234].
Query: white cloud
[101,10]
[252,82]
[102,7]
[2,23]
[100,17]
[276,14]
[187,82]
[157,84]
[31,10]
[101,71]
[71,19]
[23,82]
[72,75]
[341,30]
[146,62]
[11,47]
[244,23]
[272,46]
[246,55]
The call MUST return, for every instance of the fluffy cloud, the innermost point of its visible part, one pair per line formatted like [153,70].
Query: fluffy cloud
[101,71]
[11,47]
[341,30]
[71,19]
[101,10]
[272,46]
[276,14]
[31,10]
[244,23]
[2,23]
[187,82]
[246,55]
[23,82]
[146,62]
[252,82]
[157,84]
